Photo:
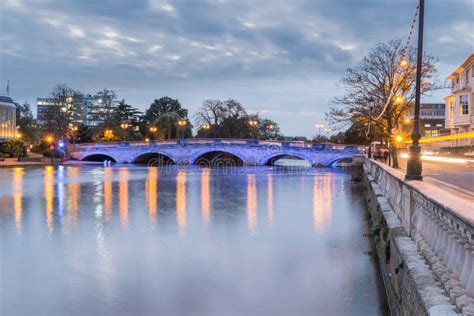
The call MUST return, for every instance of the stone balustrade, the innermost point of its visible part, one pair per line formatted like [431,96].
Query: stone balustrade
[441,225]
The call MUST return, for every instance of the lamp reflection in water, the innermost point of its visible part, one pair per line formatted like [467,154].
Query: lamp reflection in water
[74,189]
[252,203]
[18,174]
[270,198]
[151,190]
[181,202]
[108,193]
[49,196]
[323,193]
[123,196]
[205,197]
[60,192]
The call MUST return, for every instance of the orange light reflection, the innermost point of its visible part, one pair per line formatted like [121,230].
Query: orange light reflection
[323,192]
[252,203]
[18,174]
[181,202]
[151,190]
[205,197]
[123,197]
[49,196]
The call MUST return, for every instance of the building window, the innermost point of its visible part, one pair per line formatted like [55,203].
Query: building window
[463,105]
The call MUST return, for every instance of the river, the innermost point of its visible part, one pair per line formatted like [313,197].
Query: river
[133,240]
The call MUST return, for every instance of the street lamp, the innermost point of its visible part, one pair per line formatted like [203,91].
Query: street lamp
[19,136]
[108,133]
[73,132]
[124,127]
[414,166]
[153,130]
[319,126]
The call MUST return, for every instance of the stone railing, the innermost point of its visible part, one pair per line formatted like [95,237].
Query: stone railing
[440,223]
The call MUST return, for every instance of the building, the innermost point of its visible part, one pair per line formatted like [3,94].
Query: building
[90,109]
[432,119]
[459,104]
[7,118]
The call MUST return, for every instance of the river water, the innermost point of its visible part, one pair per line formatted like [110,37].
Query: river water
[131,240]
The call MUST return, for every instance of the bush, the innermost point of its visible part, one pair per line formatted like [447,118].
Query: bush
[40,148]
[53,153]
[13,148]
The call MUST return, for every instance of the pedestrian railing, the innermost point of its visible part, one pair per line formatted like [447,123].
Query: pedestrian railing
[441,224]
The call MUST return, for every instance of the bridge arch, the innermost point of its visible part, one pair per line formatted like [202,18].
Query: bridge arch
[218,158]
[99,157]
[335,162]
[270,161]
[152,157]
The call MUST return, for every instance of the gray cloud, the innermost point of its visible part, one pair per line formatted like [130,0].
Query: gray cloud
[279,57]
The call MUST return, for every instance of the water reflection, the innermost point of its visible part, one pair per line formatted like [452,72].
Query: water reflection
[181,202]
[151,190]
[49,196]
[270,198]
[74,189]
[104,252]
[323,195]
[123,196]
[205,197]
[108,193]
[18,174]
[252,203]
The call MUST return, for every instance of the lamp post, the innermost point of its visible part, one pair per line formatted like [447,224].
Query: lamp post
[319,126]
[124,127]
[19,137]
[414,166]
[153,130]
[73,132]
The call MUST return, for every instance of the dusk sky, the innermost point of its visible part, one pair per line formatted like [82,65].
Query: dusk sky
[280,58]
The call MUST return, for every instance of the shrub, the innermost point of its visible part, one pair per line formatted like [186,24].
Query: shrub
[40,148]
[53,153]
[13,148]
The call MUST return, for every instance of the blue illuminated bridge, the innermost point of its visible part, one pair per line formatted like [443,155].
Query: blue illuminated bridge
[212,152]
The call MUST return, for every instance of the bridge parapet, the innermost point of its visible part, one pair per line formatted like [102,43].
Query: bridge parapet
[188,151]
[440,224]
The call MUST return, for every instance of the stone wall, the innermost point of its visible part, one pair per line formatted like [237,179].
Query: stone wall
[424,239]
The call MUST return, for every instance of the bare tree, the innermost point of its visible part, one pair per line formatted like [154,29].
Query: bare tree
[63,111]
[387,77]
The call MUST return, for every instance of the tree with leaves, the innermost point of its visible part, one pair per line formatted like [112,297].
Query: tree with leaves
[26,122]
[384,78]
[162,106]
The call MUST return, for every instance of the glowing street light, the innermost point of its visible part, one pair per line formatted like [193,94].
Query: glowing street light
[399,99]
[182,122]
[253,122]
[206,126]
[404,63]
[407,121]
[19,136]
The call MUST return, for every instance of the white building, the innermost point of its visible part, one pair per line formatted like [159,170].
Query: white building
[459,105]
[7,118]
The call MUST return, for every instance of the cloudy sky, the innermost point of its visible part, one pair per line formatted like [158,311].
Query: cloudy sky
[280,58]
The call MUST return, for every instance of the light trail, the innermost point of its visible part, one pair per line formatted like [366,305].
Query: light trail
[430,157]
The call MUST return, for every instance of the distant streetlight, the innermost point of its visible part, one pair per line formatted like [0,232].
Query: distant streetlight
[319,127]
[124,127]
[153,130]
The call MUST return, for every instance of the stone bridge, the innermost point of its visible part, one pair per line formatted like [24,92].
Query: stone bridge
[209,151]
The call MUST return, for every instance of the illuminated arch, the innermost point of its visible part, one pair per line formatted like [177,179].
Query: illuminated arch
[155,158]
[218,158]
[99,157]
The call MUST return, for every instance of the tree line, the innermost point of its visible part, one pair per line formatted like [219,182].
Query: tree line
[63,118]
